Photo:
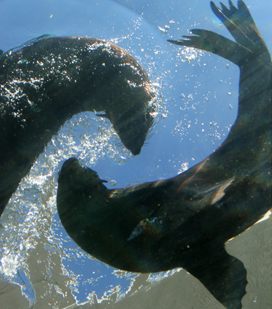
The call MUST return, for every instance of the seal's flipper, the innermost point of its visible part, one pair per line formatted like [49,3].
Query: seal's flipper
[250,53]
[223,275]
[214,43]
[242,27]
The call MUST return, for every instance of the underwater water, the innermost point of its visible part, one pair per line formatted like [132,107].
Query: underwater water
[40,266]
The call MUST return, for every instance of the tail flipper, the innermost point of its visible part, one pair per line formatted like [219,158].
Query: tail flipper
[223,275]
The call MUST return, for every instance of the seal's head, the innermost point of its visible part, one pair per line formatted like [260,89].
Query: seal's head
[124,90]
[79,183]
[134,116]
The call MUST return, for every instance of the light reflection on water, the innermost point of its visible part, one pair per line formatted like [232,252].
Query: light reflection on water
[36,253]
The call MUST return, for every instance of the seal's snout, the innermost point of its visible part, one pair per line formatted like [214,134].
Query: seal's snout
[68,167]
[136,151]
[70,163]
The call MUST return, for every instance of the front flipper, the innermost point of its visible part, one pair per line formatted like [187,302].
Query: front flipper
[214,43]
[242,27]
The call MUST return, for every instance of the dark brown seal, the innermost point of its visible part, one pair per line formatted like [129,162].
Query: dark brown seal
[185,221]
[50,80]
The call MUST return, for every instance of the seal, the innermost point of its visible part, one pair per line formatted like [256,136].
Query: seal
[185,221]
[48,80]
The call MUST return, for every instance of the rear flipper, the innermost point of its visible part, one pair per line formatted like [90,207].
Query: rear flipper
[242,27]
[223,275]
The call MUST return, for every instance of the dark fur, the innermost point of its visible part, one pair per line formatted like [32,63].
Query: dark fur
[186,220]
[50,80]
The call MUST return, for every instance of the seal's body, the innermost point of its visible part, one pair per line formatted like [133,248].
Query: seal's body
[47,82]
[185,221]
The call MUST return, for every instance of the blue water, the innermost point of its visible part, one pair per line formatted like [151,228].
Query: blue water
[199,105]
